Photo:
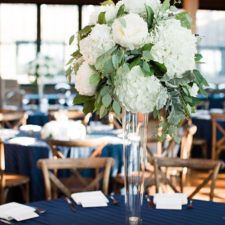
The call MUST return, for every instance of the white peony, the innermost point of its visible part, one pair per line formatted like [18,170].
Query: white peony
[110,13]
[194,90]
[130,31]
[138,6]
[174,46]
[82,80]
[138,93]
[96,43]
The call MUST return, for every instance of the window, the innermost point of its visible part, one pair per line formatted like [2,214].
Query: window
[58,23]
[17,38]
[19,35]
[212,45]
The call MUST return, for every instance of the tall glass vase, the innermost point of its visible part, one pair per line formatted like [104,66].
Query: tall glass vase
[134,150]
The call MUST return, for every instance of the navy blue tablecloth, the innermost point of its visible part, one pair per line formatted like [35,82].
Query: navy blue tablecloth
[204,131]
[23,160]
[37,118]
[58,213]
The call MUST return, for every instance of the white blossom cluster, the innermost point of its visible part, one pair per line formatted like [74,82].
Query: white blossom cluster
[63,130]
[138,93]
[151,41]
[174,46]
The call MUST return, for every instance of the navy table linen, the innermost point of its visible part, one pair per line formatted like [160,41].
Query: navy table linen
[37,118]
[23,160]
[59,213]
[204,131]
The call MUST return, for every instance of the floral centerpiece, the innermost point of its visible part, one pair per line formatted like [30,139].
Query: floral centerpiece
[140,55]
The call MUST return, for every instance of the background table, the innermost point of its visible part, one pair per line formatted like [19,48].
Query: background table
[58,213]
[204,131]
[23,159]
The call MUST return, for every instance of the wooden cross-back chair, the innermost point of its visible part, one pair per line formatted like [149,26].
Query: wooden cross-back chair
[98,144]
[53,183]
[8,181]
[211,166]
[218,143]
[170,150]
[12,118]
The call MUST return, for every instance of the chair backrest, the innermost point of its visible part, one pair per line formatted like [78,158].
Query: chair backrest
[13,118]
[203,164]
[218,135]
[97,143]
[48,167]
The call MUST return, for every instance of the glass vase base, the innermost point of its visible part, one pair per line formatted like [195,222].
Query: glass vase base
[134,220]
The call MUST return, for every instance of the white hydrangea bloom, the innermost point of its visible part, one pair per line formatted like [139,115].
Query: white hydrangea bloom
[138,93]
[194,90]
[138,6]
[174,46]
[82,80]
[63,130]
[110,13]
[130,31]
[96,43]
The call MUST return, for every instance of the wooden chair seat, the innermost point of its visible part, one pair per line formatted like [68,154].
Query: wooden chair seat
[8,181]
[13,180]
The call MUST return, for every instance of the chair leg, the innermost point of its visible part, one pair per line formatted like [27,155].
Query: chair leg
[26,192]
[3,195]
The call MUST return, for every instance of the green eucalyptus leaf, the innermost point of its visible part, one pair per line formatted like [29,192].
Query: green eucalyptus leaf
[84,32]
[71,40]
[94,79]
[104,62]
[121,11]
[198,57]
[116,108]
[158,68]
[199,78]
[187,77]
[88,106]
[105,90]
[147,56]
[117,58]
[147,47]
[135,62]
[70,61]
[76,54]
[108,2]
[80,99]
[185,19]
[106,100]
[150,16]
[103,111]
[146,69]
[101,18]
[165,5]
[69,73]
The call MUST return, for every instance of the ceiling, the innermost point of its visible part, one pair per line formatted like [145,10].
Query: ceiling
[204,4]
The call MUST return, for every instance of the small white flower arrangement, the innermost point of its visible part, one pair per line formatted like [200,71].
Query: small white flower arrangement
[140,55]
